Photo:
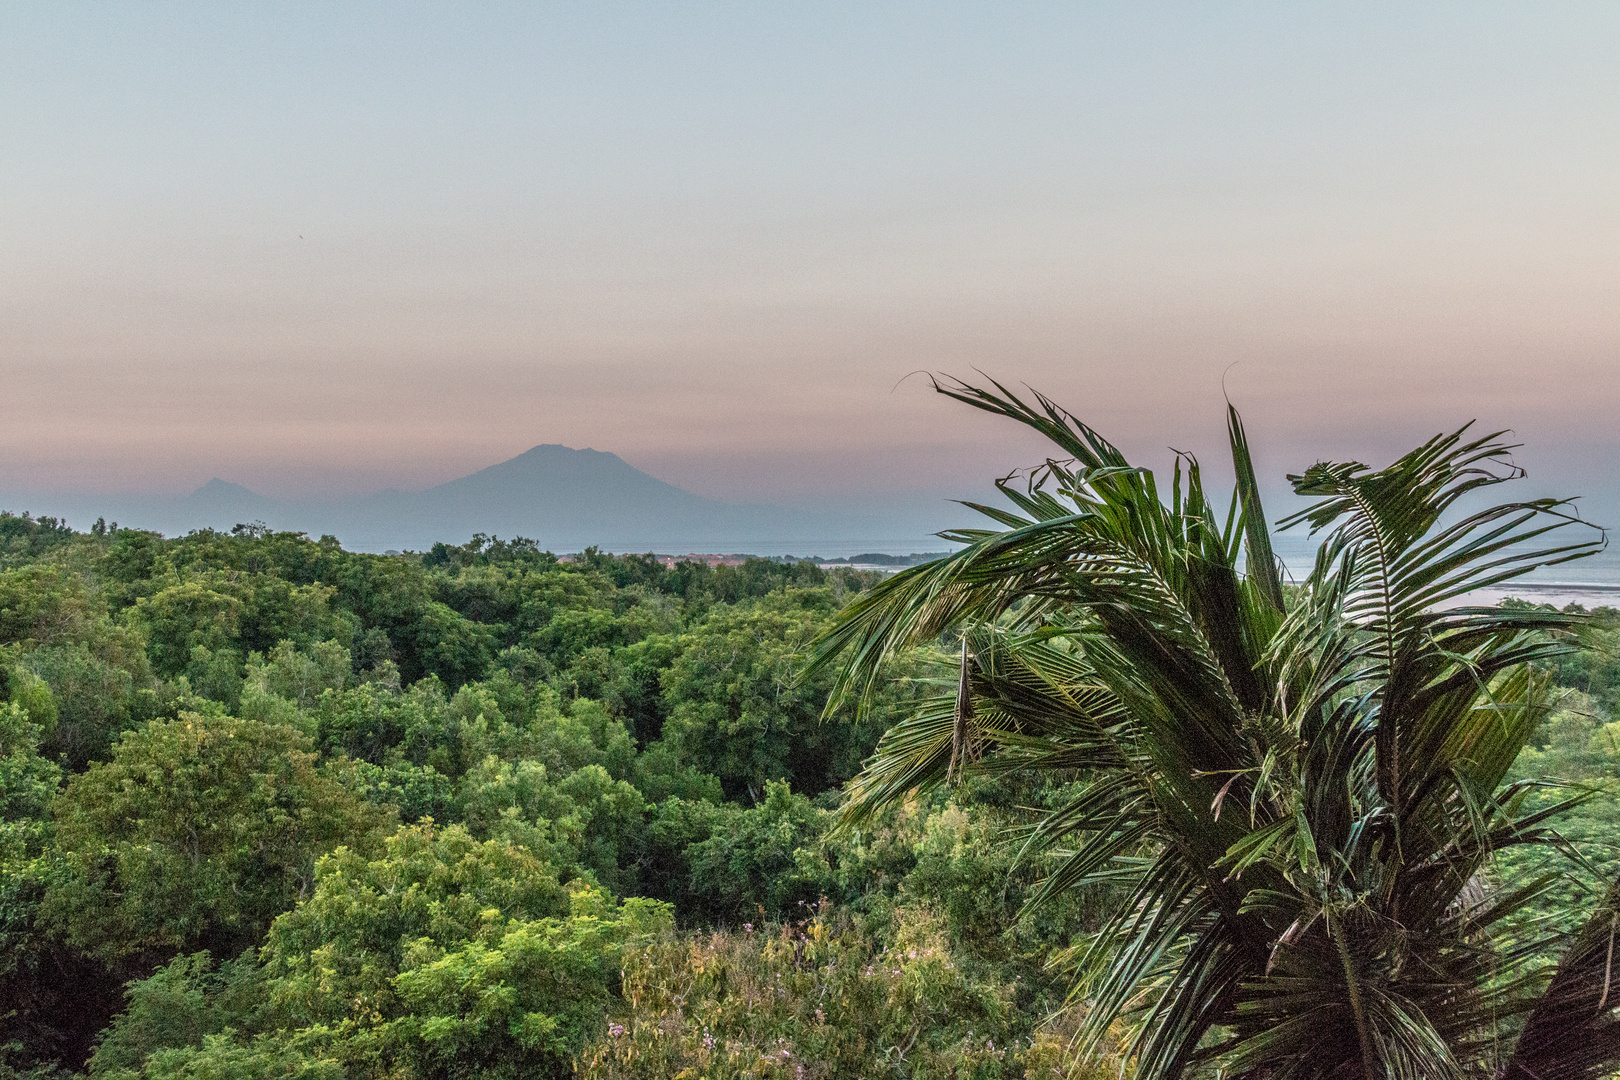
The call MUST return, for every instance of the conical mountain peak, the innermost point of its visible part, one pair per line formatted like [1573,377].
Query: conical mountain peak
[561,497]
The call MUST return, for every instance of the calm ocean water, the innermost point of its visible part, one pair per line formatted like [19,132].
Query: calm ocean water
[1591,582]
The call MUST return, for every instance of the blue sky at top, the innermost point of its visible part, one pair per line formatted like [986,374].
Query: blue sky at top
[328,248]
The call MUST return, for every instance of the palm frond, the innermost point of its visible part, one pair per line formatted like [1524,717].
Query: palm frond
[1574,1031]
[1301,794]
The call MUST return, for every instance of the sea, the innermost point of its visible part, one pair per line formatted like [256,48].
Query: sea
[1590,582]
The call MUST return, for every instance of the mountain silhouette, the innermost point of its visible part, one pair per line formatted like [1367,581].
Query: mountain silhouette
[220,499]
[562,498]
[565,499]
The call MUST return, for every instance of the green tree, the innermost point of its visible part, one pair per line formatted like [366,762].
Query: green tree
[724,864]
[34,1003]
[179,1005]
[301,675]
[442,956]
[345,944]
[521,998]
[1304,801]
[218,610]
[738,710]
[583,820]
[33,696]
[196,833]
[23,536]
[45,605]
[443,643]
[100,689]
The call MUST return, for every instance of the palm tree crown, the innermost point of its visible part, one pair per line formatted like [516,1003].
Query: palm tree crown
[1299,791]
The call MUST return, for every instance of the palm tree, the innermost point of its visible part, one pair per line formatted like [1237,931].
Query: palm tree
[1300,789]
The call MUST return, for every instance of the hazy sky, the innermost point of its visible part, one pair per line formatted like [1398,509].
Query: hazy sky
[326,248]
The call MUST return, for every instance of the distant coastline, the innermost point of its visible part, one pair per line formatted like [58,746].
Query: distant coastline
[1560,594]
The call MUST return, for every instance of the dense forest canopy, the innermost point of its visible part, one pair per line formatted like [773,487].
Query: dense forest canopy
[273,808]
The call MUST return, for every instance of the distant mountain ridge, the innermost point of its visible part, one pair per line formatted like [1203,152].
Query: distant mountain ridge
[562,498]
[572,485]
[566,498]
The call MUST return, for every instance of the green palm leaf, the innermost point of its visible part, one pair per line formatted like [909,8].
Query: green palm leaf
[1301,801]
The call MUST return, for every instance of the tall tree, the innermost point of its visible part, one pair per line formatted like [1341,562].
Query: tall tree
[1300,790]
[196,834]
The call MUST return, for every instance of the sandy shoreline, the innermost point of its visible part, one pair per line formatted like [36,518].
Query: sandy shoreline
[1558,594]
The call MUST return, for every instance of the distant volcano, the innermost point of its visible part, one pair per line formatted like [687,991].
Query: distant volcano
[563,499]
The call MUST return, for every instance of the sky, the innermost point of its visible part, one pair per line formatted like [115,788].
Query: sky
[323,249]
